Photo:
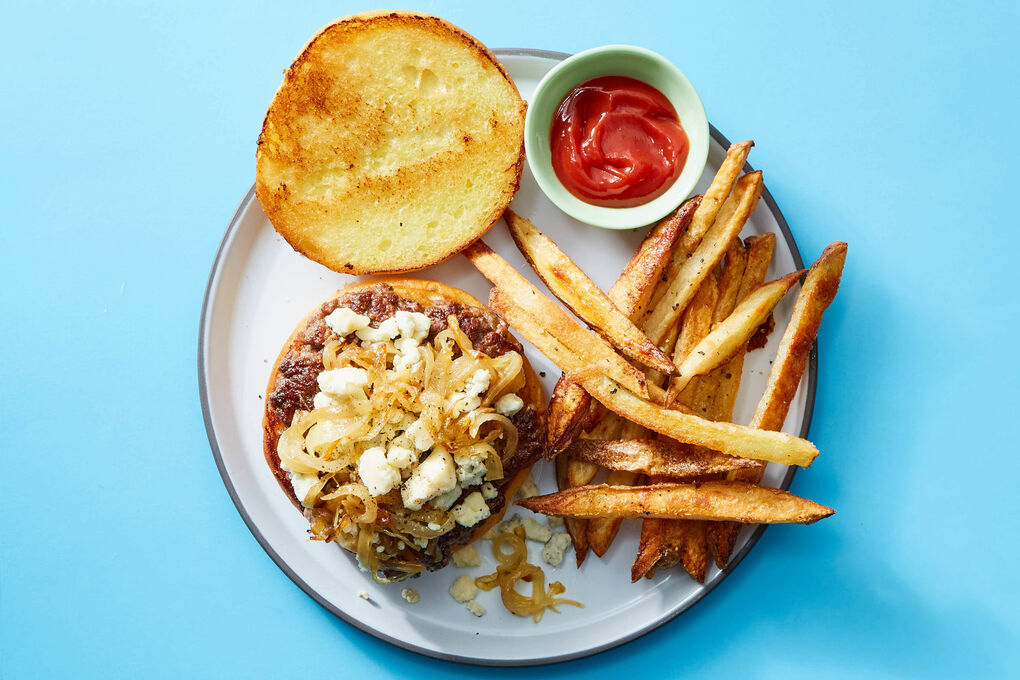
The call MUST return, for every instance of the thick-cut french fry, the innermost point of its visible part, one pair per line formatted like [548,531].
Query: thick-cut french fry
[727,438]
[631,294]
[733,440]
[581,296]
[717,192]
[727,376]
[602,530]
[598,353]
[650,547]
[728,337]
[566,414]
[819,290]
[680,541]
[731,219]
[657,457]
[729,280]
[707,212]
[697,323]
[577,528]
[720,500]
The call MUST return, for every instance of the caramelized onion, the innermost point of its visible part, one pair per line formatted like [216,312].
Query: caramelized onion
[514,567]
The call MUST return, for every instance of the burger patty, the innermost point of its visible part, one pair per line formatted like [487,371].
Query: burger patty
[296,380]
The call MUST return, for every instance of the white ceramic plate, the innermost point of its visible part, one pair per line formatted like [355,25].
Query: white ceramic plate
[258,291]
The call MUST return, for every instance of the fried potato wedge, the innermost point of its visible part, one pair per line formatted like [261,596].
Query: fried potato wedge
[732,334]
[602,530]
[727,438]
[697,323]
[716,196]
[569,406]
[731,219]
[717,192]
[817,293]
[631,294]
[733,440]
[720,500]
[727,377]
[598,353]
[576,528]
[729,279]
[656,457]
[581,296]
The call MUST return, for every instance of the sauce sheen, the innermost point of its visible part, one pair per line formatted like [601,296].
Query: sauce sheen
[617,142]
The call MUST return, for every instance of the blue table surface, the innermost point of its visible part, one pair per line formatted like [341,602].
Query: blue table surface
[127,138]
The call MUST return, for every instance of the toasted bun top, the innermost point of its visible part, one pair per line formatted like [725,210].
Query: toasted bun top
[395,140]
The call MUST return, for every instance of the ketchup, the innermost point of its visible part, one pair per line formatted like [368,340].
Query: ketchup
[617,142]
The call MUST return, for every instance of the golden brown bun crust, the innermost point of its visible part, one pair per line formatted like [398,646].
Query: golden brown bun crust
[394,141]
[424,292]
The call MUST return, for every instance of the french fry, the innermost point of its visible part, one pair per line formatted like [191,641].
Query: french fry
[731,219]
[656,457]
[599,353]
[575,527]
[697,323]
[602,530]
[631,294]
[728,438]
[650,548]
[728,337]
[707,212]
[581,296]
[566,414]
[729,279]
[717,192]
[719,500]
[817,293]
[727,376]
[673,538]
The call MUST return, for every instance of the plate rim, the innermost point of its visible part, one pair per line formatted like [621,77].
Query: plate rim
[706,588]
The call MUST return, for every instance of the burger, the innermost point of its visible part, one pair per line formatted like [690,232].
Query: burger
[401,417]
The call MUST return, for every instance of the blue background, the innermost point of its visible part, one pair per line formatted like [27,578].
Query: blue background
[127,137]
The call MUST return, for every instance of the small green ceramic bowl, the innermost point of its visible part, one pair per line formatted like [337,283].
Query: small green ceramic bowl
[615,60]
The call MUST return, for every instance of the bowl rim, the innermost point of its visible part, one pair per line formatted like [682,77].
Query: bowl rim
[696,126]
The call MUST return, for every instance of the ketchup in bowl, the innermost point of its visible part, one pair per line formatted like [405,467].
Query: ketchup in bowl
[617,142]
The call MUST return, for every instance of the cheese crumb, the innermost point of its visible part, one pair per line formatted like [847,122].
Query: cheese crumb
[553,551]
[377,474]
[419,436]
[340,381]
[471,511]
[535,531]
[303,484]
[466,557]
[363,594]
[528,489]
[410,594]
[489,491]
[475,608]
[400,457]
[470,469]
[412,325]
[433,476]
[509,404]
[509,525]
[445,501]
[387,331]
[464,589]
[345,321]
[555,522]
